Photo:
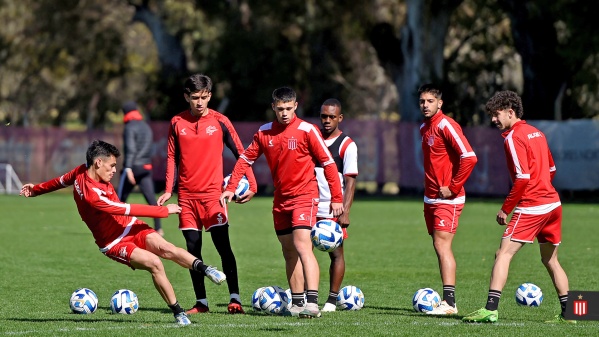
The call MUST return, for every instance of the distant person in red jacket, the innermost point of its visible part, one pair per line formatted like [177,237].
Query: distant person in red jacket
[196,141]
[448,162]
[118,232]
[137,163]
[291,146]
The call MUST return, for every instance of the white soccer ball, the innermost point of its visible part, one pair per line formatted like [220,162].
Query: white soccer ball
[271,301]
[256,299]
[350,298]
[84,301]
[326,235]
[529,295]
[242,187]
[425,300]
[124,302]
[285,300]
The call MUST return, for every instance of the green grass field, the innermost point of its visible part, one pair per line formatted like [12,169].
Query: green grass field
[47,252]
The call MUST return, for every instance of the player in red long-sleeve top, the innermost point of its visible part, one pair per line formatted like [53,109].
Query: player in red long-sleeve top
[118,232]
[448,162]
[536,206]
[290,146]
[196,142]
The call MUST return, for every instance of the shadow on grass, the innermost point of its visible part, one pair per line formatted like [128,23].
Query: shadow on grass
[75,318]
[410,312]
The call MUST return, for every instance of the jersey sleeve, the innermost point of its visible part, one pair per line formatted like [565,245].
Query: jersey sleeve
[552,168]
[515,151]
[454,136]
[320,151]
[232,141]
[57,183]
[97,200]
[350,159]
[172,150]
[244,162]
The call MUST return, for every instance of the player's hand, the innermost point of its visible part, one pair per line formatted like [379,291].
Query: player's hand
[247,196]
[226,198]
[337,209]
[445,193]
[130,176]
[163,198]
[27,191]
[173,209]
[501,218]
[343,219]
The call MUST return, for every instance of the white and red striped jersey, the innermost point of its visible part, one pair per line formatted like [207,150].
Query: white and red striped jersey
[532,168]
[290,152]
[195,149]
[345,153]
[448,159]
[105,215]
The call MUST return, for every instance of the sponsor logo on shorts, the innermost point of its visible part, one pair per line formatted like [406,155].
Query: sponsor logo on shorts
[123,252]
[220,218]
[442,223]
[301,217]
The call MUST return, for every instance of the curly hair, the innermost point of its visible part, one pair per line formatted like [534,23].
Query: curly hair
[505,100]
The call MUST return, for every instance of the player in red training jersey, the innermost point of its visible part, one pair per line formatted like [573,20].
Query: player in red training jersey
[533,199]
[448,162]
[118,232]
[345,153]
[290,146]
[196,142]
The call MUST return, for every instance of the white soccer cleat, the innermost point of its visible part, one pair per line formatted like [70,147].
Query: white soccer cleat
[444,309]
[329,307]
[182,319]
[215,275]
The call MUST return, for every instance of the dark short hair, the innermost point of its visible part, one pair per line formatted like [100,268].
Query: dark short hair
[332,102]
[283,94]
[431,89]
[196,83]
[505,100]
[100,148]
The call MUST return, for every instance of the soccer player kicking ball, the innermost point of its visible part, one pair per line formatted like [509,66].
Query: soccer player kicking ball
[345,153]
[118,232]
[536,204]
[290,146]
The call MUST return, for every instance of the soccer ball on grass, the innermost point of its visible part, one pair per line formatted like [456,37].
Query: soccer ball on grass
[124,302]
[350,298]
[326,235]
[425,300]
[272,301]
[84,301]
[529,295]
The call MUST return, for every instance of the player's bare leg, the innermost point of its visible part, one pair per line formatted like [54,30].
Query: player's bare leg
[336,273]
[558,276]
[442,242]
[295,274]
[303,245]
[503,257]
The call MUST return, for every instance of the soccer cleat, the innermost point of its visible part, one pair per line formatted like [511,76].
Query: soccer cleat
[482,316]
[235,308]
[199,308]
[182,319]
[560,319]
[310,311]
[215,275]
[293,311]
[328,307]
[443,309]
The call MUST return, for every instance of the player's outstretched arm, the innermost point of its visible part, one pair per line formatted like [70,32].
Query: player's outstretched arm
[27,191]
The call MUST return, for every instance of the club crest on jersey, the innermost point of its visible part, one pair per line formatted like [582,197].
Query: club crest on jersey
[431,140]
[292,144]
[210,130]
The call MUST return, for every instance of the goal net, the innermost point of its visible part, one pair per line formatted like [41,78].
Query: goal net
[9,181]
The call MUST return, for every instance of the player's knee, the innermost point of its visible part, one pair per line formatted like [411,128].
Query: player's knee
[154,265]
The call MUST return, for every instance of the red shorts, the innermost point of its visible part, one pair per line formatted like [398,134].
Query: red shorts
[442,217]
[136,238]
[343,228]
[202,213]
[294,214]
[547,228]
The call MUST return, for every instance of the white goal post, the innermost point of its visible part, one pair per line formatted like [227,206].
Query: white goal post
[9,181]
